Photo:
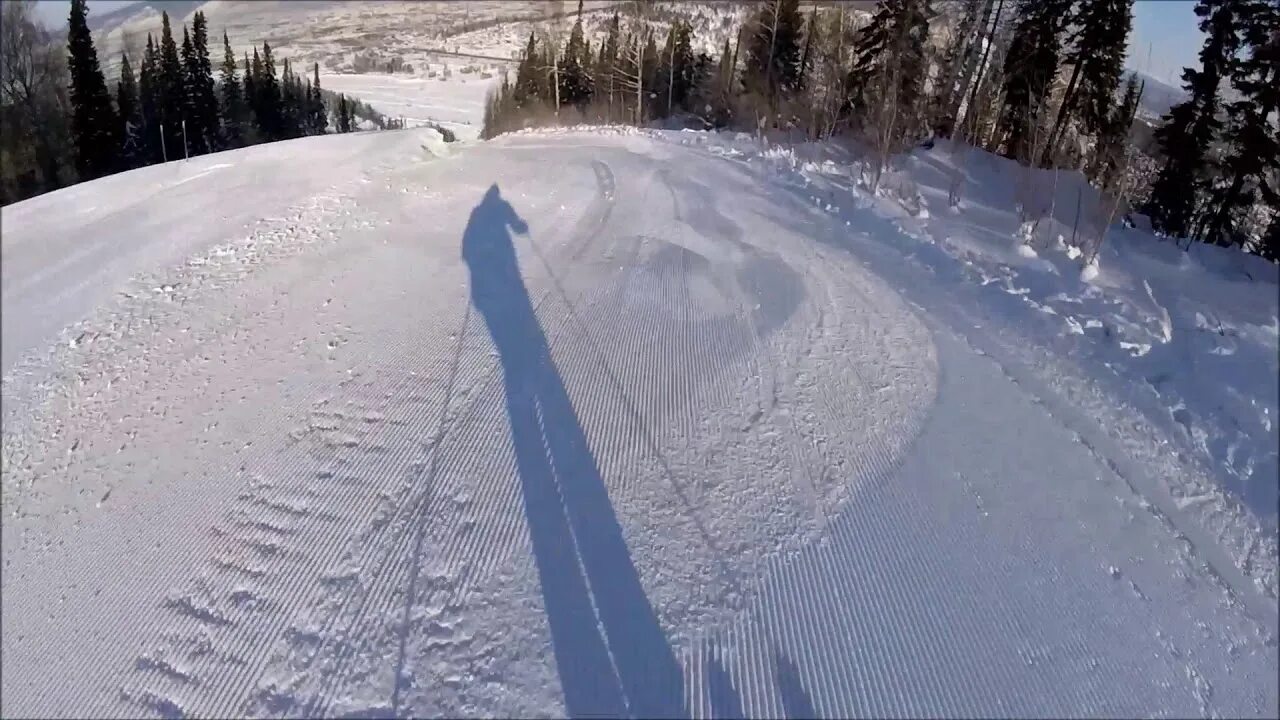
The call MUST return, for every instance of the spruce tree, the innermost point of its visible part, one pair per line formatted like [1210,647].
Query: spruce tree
[1269,246]
[150,101]
[344,115]
[1192,126]
[172,91]
[889,63]
[1030,66]
[319,116]
[606,74]
[575,77]
[676,68]
[1251,135]
[298,112]
[269,96]
[1112,145]
[1096,56]
[721,95]
[132,153]
[253,91]
[812,41]
[650,66]
[772,67]
[191,130]
[288,103]
[234,110]
[204,99]
[95,126]
[527,75]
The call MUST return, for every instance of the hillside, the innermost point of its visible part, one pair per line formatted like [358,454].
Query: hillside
[370,425]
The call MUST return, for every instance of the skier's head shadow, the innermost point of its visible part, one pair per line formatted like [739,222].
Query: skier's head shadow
[612,655]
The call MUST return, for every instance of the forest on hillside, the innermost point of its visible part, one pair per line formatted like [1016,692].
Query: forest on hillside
[1041,82]
[61,122]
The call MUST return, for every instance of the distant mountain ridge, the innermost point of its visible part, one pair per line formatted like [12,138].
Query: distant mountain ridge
[110,20]
[1158,96]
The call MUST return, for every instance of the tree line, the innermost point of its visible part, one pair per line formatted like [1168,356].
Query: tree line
[1041,82]
[1222,155]
[63,124]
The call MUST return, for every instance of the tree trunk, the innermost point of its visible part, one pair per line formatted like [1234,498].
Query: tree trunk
[1055,135]
[982,65]
[640,43]
[970,60]
[671,73]
[768,67]
[830,106]
[1212,225]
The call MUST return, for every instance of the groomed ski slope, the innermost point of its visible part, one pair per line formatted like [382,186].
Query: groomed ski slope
[565,423]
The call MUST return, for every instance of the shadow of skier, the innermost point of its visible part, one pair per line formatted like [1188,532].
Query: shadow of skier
[612,655]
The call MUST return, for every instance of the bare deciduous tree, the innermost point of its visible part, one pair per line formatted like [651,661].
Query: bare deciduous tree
[34,105]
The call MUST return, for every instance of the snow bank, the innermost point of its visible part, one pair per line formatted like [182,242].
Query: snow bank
[1184,340]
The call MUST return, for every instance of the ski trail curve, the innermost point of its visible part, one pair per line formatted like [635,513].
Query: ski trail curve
[460,438]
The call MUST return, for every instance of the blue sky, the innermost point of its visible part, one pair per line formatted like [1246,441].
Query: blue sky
[1165,31]
[1164,39]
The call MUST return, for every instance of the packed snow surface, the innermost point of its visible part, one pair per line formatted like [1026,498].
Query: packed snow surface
[609,423]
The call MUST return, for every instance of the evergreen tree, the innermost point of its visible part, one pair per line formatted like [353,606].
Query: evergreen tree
[268,89]
[889,63]
[1096,55]
[252,92]
[575,77]
[1109,153]
[650,64]
[172,91]
[150,101]
[319,116]
[298,93]
[1269,246]
[203,121]
[963,45]
[234,110]
[1030,66]
[1251,134]
[289,103]
[772,66]
[606,74]
[191,127]
[528,75]
[132,153]
[721,94]
[812,41]
[95,126]
[1191,126]
[676,69]
[344,115]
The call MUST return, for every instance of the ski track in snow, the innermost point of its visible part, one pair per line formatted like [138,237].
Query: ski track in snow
[326,470]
